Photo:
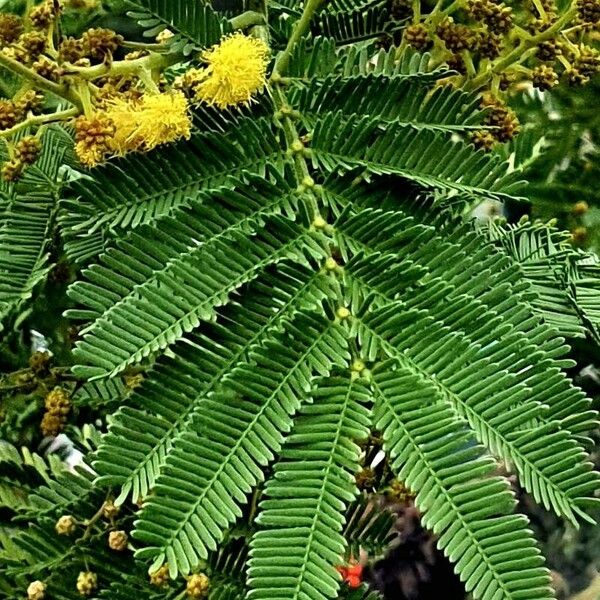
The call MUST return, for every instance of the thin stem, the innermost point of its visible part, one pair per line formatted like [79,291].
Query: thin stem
[416,8]
[519,54]
[142,46]
[124,67]
[247,19]
[291,136]
[300,29]
[41,120]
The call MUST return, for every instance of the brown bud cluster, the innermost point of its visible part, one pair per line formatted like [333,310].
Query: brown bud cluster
[11,27]
[33,43]
[503,119]
[58,406]
[29,101]
[100,43]
[11,170]
[44,14]
[489,45]
[455,36]
[70,50]
[416,36]
[10,114]
[588,12]
[482,139]
[28,149]
[544,77]
[47,69]
[548,51]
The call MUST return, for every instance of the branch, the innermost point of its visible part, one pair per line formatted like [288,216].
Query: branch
[300,29]
[41,120]
[37,80]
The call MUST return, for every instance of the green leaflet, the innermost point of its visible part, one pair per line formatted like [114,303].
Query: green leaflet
[197,24]
[302,516]
[249,268]
[216,478]
[463,503]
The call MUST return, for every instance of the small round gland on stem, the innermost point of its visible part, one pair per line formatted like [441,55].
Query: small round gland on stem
[358,365]
[297,146]
[319,222]
[109,510]
[308,182]
[331,264]
[342,313]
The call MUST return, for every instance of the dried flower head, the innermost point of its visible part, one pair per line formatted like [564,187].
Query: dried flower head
[117,540]
[236,69]
[87,582]
[66,525]
[36,590]
[11,27]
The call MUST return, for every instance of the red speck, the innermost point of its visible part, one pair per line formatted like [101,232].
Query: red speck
[352,574]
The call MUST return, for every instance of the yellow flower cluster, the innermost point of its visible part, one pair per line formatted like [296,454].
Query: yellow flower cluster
[235,70]
[124,125]
[154,120]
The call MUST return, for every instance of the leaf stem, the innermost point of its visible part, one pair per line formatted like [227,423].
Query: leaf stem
[247,19]
[300,29]
[41,120]
[37,80]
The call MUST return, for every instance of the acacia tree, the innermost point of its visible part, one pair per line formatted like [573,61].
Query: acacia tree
[263,217]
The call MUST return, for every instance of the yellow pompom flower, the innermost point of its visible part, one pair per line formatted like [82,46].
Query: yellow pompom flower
[236,69]
[154,120]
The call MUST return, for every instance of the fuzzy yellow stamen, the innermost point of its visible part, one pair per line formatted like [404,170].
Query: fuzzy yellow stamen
[154,120]
[132,125]
[236,69]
